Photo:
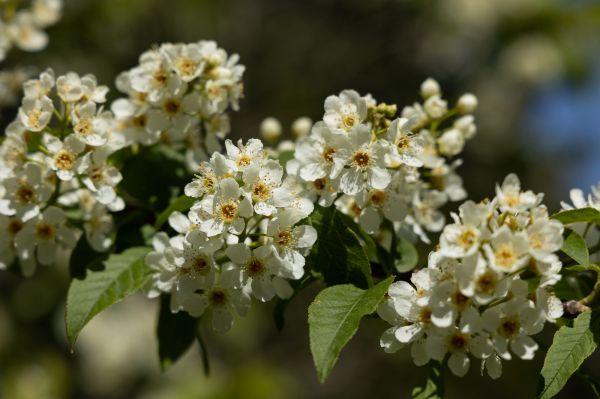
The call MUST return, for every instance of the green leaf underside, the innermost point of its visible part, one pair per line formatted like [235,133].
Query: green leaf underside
[589,215]
[338,254]
[433,388]
[406,256]
[180,204]
[570,347]
[175,332]
[334,317]
[124,274]
[576,248]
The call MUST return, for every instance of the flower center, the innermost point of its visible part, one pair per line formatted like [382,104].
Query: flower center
[377,197]
[285,238]
[172,106]
[244,160]
[255,267]
[459,300]
[44,231]
[160,77]
[228,211]
[217,297]
[486,283]
[64,160]
[83,127]
[14,227]
[505,255]
[467,238]
[139,121]
[348,121]
[362,159]
[200,265]
[510,327]
[320,184]
[24,194]
[328,154]
[186,66]
[425,315]
[458,342]
[260,191]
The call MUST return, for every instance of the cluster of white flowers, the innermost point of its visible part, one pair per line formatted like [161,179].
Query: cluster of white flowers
[377,168]
[54,158]
[487,287]
[23,28]
[241,238]
[179,95]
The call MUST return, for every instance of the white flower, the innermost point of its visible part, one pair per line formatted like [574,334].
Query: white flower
[366,163]
[511,324]
[289,240]
[37,88]
[270,129]
[90,128]
[223,211]
[430,87]
[35,112]
[405,146]
[508,251]
[101,178]
[25,192]
[245,155]
[40,237]
[69,87]
[185,59]
[63,156]
[316,154]
[262,273]
[222,299]
[209,175]
[344,112]
[9,227]
[378,204]
[545,238]
[511,199]
[301,127]
[46,12]
[463,239]
[25,34]
[261,182]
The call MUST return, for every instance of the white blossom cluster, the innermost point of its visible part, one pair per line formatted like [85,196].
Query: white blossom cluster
[179,95]
[487,288]
[241,238]
[53,161]
[23,27]
[377,168]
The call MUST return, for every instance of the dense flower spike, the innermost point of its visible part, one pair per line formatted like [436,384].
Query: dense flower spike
[368,159]
[54,159]
[179,94]
[487,288]
[241,238]
[23,27]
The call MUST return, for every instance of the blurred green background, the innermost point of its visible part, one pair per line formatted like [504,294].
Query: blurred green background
[534,65]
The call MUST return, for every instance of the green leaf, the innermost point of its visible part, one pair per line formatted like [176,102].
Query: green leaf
[333,319]
[181,204]
[175,332]
[576,248]
[124,274]
[570,347]
[406,256]
[589,215]
[84,257]
[338,254]
[433,387]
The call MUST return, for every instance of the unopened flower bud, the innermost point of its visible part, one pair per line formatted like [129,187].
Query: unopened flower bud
[467,103]
[451,142]
[430,87]
[301,127]
[435,107]
[270,129]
